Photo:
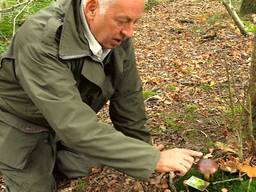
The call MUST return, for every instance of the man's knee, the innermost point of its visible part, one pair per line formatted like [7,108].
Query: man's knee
[75,165]
[28,161]
[19,180]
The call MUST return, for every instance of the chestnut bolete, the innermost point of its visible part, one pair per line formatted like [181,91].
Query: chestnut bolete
[207,167]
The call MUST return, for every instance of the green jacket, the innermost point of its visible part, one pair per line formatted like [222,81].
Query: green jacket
[49,80]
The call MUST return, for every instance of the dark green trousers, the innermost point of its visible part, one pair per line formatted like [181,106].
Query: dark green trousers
[27,160]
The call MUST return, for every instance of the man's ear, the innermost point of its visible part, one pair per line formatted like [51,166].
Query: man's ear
[90,8]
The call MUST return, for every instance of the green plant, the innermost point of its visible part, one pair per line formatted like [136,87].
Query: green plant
[197,29]
[148,94]
[236,4]
[235,111]
[207,86]
[219,181]
[190,112]
[172,123]
[80,185]
[2,47]
[172,87]
[151,3]
[7,19]
[192,135]
[216,18]
[189,117]
[191,108]
[249,27]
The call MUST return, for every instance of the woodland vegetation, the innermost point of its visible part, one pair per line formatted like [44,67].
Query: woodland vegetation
[197,60]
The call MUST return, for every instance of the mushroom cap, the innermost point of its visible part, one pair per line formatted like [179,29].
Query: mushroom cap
[207,166]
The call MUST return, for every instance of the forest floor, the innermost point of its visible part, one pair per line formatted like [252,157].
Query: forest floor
[184,49]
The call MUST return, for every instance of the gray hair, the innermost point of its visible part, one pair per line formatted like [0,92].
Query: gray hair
[103,5]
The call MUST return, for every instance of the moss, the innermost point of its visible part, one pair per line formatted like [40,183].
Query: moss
[148,94]
[151,3]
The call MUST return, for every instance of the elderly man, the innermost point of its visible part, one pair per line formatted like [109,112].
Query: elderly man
[63,65]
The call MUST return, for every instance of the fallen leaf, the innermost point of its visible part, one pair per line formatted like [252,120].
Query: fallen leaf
[137,187]
[230,165]
[224,147]
[249,170]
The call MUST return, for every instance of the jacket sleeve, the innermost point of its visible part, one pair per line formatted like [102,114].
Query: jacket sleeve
[51,86]
[127,110]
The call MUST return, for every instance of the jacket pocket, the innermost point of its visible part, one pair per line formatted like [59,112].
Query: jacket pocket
[16,146]
[7,68]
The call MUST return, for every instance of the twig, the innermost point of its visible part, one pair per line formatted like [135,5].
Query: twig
[231,84]
[9,9]
[237,97]
[171,184]
[234,16]
[229,89]
[249,185]
[3,36]
[188,130]
[16,16]
[227,180]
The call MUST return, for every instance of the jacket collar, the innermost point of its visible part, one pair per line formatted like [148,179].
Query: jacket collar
[72,41]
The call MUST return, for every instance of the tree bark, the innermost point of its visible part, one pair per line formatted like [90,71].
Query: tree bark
[252,96]
[248,7]
[234,16]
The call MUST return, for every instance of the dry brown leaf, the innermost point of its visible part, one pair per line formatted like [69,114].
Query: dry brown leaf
[137,187]
[224,147]
[231,165]
[249,170]
[201,19]
[208,155]
[156,180]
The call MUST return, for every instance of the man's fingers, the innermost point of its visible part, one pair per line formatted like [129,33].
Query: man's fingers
[186,164]
[181,169]
[193,153]
[160,147]
[189,159]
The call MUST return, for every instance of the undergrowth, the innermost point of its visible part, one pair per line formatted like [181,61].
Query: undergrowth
[7,18]
[219,176]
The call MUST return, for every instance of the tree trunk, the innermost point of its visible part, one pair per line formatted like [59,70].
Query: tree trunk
[235,17]
[252,98]
[248,7]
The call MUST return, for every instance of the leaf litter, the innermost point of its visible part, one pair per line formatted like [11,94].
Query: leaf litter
[183,49]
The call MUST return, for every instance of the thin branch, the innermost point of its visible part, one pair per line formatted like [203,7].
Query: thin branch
[14,20]
[227,180]
[9,9]
[236,91]
[249,185]
[234,16]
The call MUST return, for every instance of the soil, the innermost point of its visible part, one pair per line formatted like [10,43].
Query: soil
[185,50]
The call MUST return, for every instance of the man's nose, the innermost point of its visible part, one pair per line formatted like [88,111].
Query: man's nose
[128,30]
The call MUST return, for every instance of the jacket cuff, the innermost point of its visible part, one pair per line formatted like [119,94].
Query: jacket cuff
[146,174]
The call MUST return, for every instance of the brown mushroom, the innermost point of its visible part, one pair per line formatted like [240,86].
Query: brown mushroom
[207,167]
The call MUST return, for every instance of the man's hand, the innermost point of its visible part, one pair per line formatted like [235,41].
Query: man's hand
[176,160]
[160,147]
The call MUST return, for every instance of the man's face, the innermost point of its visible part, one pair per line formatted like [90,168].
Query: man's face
[117,23]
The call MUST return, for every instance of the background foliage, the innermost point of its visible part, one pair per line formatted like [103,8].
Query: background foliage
[7,18]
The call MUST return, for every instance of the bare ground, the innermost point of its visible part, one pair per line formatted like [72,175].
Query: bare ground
[184,50]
